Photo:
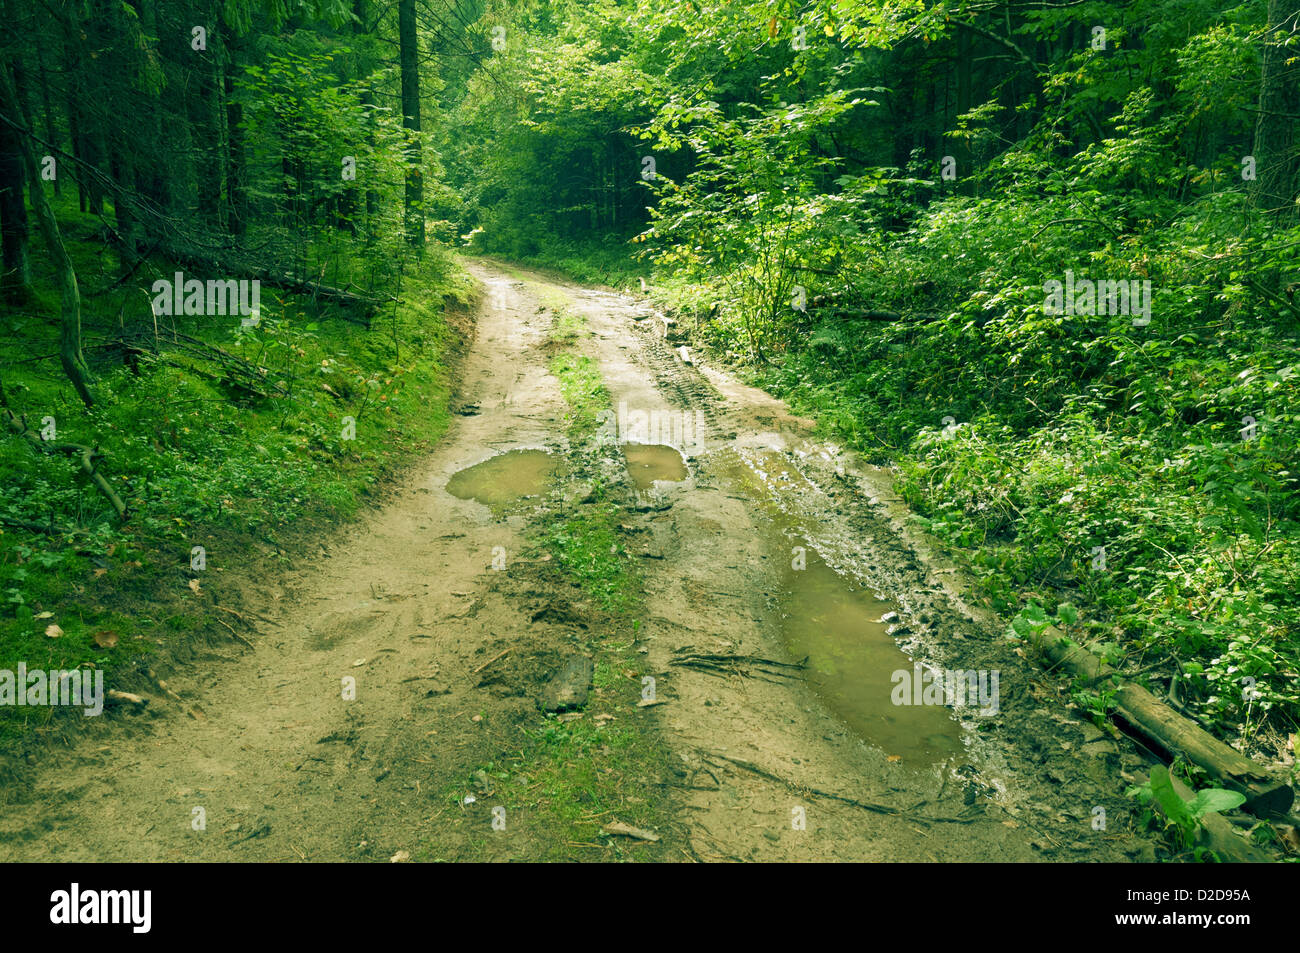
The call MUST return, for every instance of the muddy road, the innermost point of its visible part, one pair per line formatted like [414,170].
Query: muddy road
[744,703]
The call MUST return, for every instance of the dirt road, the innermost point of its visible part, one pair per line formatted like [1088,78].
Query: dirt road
[390,701]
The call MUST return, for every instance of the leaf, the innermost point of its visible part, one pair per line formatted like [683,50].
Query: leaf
[194,585]
[53,631]
[1034,615]
[105,638]
[1214,801]
[1174,807]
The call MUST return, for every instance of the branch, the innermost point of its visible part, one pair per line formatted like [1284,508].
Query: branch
[1001,41]
[88,457]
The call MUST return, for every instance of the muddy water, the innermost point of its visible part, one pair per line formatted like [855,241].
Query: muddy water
[506,477]
[648,462]
[852,659]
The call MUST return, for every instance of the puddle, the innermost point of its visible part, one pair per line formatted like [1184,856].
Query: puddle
[852,660]
[506,477]
[834,622]
[648,462]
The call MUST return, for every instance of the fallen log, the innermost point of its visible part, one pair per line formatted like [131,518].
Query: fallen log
[233,267]
[1145,715]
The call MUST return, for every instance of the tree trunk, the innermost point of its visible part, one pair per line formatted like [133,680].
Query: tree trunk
[206,135]
[236,161]
[74,364]
[47,107]
[408,52]
[1276,157]
[17,277]
[961,147]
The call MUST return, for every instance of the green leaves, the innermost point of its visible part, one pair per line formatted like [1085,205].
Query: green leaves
[1185,817]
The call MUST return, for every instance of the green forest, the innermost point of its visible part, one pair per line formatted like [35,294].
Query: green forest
[1039,259]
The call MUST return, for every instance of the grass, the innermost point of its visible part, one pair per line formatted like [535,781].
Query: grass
[601,261]
[582,389]
[587,547]
[199,461]
[574,775]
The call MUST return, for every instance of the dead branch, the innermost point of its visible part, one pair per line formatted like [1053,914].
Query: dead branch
[88,457]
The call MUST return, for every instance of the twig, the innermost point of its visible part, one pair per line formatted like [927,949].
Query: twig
[235,634]
[490,661]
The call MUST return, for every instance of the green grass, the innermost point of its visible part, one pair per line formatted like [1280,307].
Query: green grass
[583,390]
[198,462]
[606,261]
[572,777]
[588,548]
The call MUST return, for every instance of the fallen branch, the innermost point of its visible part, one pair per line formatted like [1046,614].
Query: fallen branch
[229,265]
[239,637]
[736,664]
[237,371]
[831,795]
[627,830]
[88,457]
[126,697]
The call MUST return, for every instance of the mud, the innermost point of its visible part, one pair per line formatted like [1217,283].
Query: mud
[449,627]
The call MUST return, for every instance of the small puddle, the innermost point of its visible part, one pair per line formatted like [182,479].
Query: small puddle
[648,462]
[506,477]
[852,659]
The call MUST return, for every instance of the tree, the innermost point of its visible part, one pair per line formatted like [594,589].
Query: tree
[74,363]
[13,210]
[408,53]
[1276,155]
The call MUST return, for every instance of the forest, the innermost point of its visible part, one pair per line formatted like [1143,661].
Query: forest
[1032,266]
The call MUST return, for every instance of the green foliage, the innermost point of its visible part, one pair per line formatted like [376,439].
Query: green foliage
[1184,818]
[199,462]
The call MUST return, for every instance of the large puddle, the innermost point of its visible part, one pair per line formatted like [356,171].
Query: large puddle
[648,462]
[852,659]
[507,477]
